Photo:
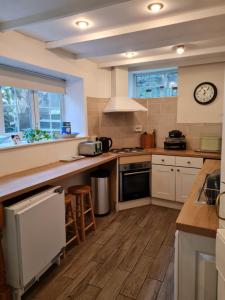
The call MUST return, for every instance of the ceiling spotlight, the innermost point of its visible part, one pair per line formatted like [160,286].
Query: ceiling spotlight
[155,7]
[130,54]
[82,24]
[180,49]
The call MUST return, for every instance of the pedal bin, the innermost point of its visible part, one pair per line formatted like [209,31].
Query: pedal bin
[100,192]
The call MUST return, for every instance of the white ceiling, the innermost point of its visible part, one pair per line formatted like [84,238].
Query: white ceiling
[121,25]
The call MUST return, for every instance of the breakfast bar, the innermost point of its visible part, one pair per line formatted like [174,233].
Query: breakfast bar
[26,181]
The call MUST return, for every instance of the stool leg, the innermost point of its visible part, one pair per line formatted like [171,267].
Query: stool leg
[71,223]
[82,217]
[75,220]
[92,210]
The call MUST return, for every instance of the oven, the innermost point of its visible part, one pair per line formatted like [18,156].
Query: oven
[135,181]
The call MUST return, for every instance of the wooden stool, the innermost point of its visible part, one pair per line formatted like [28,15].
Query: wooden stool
[71,224]
[84,203]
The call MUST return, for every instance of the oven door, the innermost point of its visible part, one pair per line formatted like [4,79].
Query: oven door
[134,184]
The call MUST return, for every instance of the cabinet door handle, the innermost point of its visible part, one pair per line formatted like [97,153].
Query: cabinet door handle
[218,206]
[178,170]
[171,170]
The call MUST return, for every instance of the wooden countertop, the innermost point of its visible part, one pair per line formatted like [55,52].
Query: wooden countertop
[199,218]
[25,181]
[161,151]
[191,153]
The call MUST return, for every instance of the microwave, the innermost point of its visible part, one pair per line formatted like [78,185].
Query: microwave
[90,148]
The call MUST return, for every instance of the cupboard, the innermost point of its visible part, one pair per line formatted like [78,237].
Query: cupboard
[173,177]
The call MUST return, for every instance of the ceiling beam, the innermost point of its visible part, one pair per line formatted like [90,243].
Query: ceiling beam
[81,6]
[162,22]
[163,57]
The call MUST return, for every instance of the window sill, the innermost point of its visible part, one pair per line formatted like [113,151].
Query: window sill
[7,147]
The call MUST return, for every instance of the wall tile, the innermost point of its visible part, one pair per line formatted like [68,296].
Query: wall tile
[161,116]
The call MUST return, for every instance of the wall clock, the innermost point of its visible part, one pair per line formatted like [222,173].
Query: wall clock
[205,93]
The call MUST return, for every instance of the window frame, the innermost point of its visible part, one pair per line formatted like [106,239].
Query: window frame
[35,114]
[133,81]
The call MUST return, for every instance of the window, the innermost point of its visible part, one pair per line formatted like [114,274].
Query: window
[154,84]
[25,108]
[17,110]
[50,111]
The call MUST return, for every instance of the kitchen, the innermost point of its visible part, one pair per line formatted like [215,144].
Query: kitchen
[105,78]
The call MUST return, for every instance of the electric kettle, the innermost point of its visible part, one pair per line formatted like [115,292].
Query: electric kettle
[106,143]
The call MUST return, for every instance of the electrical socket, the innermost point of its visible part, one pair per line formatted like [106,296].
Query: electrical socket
[138,128]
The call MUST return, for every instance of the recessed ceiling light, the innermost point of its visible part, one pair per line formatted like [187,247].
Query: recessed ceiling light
[180,49]
[130,54]
[155,7]
[82,24]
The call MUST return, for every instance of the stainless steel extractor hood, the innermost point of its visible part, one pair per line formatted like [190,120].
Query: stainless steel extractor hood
[123,104]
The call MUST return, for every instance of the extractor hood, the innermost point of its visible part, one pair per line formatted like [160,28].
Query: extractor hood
[119,101]
[123,104]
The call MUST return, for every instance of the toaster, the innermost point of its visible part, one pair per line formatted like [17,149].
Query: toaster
[90,148]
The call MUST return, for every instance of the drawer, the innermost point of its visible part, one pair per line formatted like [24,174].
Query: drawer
[134,159]
[163,160]
[192,162]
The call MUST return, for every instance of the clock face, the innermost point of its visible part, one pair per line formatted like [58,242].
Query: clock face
[205,93]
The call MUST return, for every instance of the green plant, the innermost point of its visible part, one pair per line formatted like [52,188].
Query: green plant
[35,135]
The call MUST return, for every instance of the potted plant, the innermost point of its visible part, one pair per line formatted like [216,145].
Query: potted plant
[36,135]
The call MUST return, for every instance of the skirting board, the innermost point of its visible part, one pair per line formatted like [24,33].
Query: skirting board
[166,203]
[148,201]
[134,203]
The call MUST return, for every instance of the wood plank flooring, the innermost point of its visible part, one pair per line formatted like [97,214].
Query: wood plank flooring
[131,256]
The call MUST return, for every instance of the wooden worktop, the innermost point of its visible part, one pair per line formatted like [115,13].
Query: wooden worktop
[161,151]
[199,218]
[190,153]
[25,181]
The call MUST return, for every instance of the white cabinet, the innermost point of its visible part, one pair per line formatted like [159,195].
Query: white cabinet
[184,180]
[163,178]
[189,162]
[173,177]
[195,268]
[220,262]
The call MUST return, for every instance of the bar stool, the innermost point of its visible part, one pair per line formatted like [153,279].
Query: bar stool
[84,208]
[71,224]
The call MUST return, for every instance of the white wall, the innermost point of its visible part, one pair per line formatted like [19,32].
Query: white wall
[31,156]
[189,111]
[21,48]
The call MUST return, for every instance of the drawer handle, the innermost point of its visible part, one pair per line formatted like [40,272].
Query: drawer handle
[188,162]
[178,170]
[171,170]
[162,160]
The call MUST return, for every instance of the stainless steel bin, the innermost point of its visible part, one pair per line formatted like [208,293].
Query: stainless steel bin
[100,192]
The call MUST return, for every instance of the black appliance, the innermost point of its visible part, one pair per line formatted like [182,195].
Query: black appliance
[175,134]
[212,187]
[135,181]
[106,143]
[175,141]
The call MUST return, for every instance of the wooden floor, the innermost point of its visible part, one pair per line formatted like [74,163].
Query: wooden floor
[131,256]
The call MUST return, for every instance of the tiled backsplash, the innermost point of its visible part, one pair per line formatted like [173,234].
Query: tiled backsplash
[161,116]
